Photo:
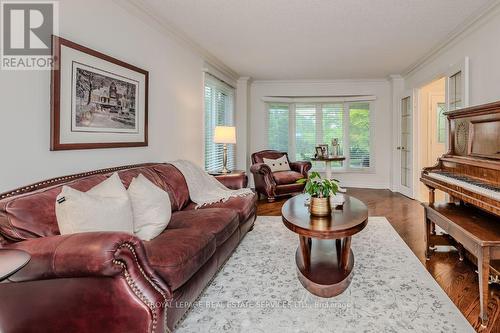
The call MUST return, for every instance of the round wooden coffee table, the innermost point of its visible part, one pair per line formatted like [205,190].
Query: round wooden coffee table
[324,257]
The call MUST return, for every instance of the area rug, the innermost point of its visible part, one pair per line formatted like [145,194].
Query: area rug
[258,290]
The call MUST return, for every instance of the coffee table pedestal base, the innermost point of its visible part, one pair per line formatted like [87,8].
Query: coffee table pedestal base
[322,266]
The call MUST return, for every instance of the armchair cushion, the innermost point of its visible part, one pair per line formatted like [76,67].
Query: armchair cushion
[286,177]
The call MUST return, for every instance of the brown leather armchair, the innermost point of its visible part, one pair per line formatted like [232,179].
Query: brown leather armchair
[274,184]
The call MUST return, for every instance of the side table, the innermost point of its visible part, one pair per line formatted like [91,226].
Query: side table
[11,261]
[235,180]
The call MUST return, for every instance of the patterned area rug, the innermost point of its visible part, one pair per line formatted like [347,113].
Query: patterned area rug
[258,290]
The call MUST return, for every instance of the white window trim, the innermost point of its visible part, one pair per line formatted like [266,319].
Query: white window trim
[292,154]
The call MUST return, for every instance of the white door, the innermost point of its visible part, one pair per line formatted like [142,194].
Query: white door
[405,147]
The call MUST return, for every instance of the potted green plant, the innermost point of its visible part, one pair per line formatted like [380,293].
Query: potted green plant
[320,191]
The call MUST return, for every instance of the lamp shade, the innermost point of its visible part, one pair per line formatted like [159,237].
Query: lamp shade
[225,134]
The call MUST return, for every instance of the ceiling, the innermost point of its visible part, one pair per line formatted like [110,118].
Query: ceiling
[317,39]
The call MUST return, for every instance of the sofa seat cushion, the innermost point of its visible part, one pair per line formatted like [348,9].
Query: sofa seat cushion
[287,177]
[219,222]
[245,206]
[177,254]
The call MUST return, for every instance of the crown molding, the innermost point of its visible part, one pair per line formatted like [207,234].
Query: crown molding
[459,33]
[394,77]
[265,82]
[142,11]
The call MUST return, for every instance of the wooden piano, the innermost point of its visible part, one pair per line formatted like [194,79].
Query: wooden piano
[470,173]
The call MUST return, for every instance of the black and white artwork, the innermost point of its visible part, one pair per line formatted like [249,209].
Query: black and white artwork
[103,102]
[97,101]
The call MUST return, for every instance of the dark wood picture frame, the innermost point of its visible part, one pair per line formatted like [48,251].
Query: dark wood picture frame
[55,117]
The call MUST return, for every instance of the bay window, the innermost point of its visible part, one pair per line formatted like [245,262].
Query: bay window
[299,127]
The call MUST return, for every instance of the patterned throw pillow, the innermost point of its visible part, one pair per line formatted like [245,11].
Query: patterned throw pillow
[279,164]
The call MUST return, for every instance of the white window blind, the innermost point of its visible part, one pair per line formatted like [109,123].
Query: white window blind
[219,111]
[333,126]
[305,131]
[278,126]
[299,127]
[359,135]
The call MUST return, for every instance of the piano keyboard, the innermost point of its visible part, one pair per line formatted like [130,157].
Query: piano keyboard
[467,183]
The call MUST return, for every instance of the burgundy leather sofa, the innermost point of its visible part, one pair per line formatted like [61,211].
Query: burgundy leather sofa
[110,281]
[274,184]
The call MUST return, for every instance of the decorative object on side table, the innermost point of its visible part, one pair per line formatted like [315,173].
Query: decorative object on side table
[335,147]
[235,180]
[96,101]
[225,135]
[12,261]
[320,191]
[324,150]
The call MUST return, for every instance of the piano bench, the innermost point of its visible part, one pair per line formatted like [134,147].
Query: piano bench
[473,229]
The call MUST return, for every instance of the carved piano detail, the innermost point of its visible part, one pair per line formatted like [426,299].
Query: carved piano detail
[470,173]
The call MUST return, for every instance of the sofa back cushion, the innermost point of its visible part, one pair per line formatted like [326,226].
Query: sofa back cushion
[32,214]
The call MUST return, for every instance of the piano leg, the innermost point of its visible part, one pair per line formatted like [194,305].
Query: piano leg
[483,263]
[428,229]
[432,199]
[432,196]
[460,249]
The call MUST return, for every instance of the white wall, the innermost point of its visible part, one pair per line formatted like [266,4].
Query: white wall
[480,44]
[175,98]
[382,109]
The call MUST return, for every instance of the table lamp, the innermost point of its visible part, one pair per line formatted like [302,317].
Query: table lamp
[225,135]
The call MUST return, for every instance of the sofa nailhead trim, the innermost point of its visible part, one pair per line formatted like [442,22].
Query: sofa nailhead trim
[55,181]
[132,284]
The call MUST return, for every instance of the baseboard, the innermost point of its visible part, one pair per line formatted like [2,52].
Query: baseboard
[371,185]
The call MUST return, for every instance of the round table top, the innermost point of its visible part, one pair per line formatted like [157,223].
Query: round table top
[341,223]
[11,261]
[328,159]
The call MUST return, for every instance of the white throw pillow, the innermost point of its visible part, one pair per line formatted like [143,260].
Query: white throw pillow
[151,208]
[279,164]
[105,207]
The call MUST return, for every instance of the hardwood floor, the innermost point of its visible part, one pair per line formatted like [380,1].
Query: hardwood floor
[458,279]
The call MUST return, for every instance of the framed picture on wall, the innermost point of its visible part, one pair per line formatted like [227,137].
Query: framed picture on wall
[96,101]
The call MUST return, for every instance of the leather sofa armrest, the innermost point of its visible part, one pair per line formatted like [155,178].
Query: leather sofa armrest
[302,167]
[104,254]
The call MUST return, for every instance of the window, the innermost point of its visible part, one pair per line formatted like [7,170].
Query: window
[441,123]
[359,135]
[219,111]
[278,126]
[299,127]
[305,131]
[455,90]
